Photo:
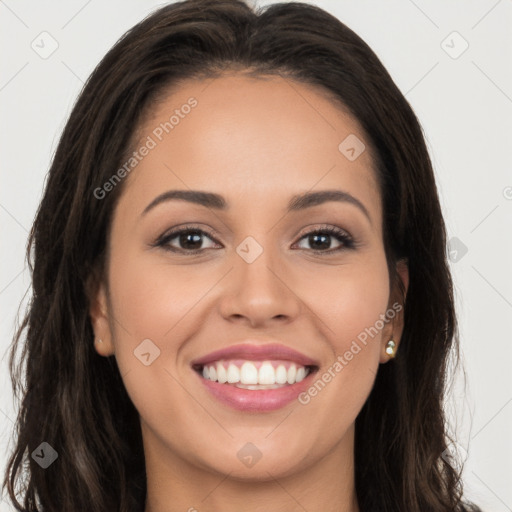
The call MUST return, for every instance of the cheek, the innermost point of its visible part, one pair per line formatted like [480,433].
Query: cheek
[155,301]
[360,302]
[150,296]
[349,302]
[349,298]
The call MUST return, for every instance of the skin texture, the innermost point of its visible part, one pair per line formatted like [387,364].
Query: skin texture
[257,142]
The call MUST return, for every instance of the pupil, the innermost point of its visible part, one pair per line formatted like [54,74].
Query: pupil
[186,240]
[316,237]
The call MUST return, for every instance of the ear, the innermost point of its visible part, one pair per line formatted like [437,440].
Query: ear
[98,311]
[393,328]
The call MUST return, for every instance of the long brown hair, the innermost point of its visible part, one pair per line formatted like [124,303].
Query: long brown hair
[75,400]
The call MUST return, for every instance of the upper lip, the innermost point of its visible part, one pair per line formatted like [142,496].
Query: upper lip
[256,352]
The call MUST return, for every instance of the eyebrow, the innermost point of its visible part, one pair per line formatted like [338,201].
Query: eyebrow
[296,203]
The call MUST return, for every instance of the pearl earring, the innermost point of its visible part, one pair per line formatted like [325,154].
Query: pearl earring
[100,341]
[390,348]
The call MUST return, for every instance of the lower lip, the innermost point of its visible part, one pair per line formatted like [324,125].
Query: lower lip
[258,400]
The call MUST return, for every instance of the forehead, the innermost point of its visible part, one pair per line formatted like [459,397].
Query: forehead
[251,139]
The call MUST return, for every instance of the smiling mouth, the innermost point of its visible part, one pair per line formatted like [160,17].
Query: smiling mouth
[254,375]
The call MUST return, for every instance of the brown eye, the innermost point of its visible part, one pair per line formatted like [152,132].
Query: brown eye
[185,240]
[320,240]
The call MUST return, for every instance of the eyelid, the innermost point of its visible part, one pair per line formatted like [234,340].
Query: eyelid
[323,227]
[347,240]
[176,230]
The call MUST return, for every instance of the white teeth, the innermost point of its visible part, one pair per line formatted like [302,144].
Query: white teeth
[301,373]
[222,375]
[248,373]
[233,374]
[248,376]
[292,372]
[266,374]
[281,375]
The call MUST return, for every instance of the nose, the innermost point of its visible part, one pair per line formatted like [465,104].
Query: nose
[260,292]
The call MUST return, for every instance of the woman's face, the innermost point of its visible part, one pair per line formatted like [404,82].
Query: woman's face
[262,273]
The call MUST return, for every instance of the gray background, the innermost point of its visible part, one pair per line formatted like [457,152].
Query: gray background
[463,98]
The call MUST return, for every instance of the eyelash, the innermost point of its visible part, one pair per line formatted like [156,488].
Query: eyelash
[347,241]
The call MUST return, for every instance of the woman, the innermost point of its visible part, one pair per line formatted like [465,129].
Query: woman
[243,212]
